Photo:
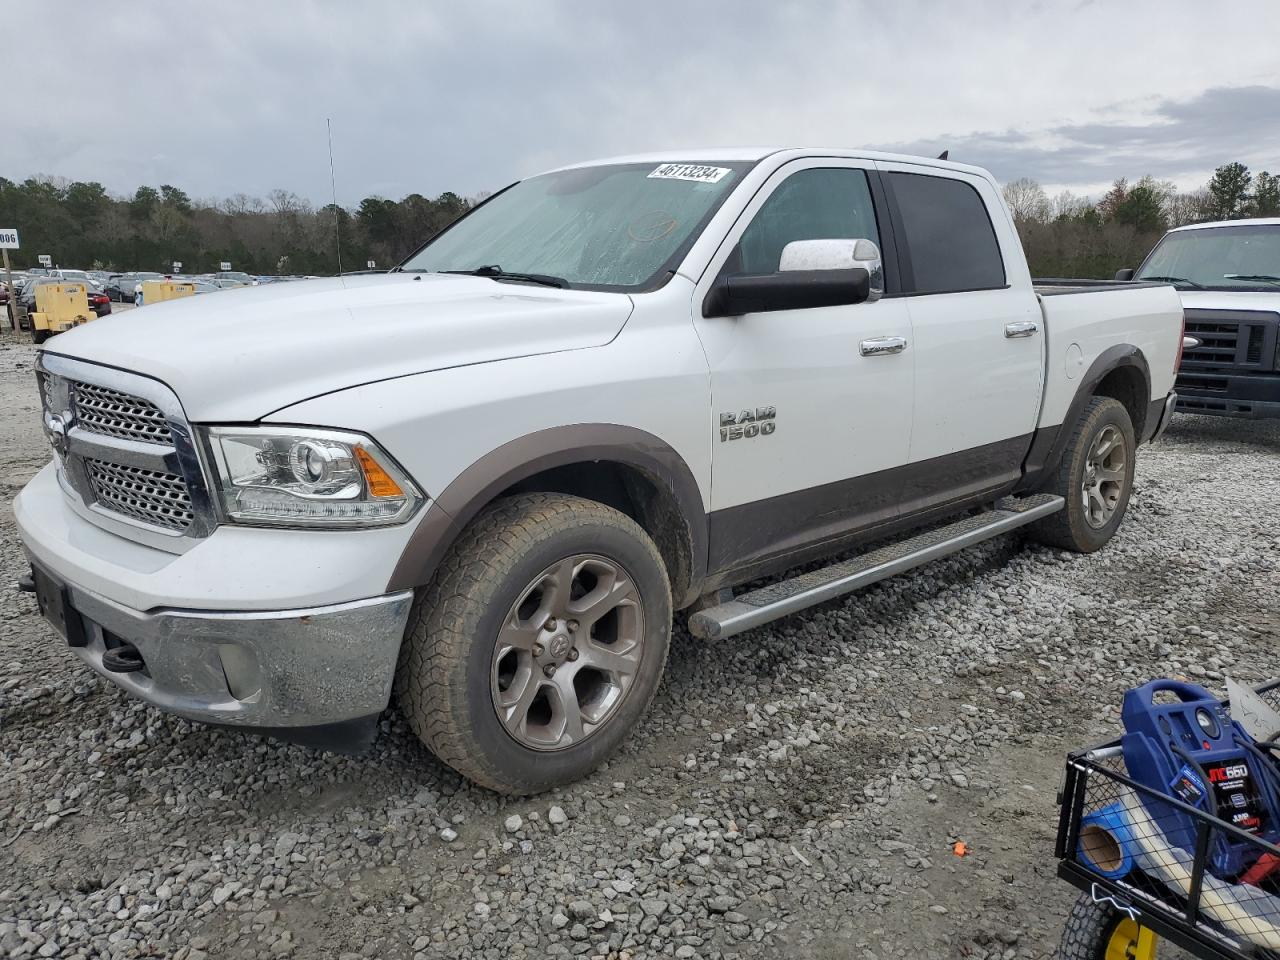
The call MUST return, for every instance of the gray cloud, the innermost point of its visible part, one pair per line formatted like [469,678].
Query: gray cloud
[439,95]
[1181,140]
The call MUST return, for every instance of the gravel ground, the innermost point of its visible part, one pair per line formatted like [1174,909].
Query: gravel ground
[795,790]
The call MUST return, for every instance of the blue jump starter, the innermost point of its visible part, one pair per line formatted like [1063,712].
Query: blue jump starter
[1187,746]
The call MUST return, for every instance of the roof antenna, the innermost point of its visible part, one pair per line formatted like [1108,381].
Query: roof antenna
[944,154]
[333,185]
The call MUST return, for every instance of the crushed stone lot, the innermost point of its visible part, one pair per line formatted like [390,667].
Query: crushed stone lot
[794,791]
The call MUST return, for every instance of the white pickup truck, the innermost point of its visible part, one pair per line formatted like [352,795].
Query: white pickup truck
[1228,274]
[488,478]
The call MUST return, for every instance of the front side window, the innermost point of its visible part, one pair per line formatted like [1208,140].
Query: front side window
[611,227]
[949,237]
[819,204]
[1224,258]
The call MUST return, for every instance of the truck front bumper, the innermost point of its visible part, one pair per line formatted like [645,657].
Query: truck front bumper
[285,633]
[1247,396]
[318,676]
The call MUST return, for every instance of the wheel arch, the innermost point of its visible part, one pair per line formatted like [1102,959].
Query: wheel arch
[623,467]
[1120,372]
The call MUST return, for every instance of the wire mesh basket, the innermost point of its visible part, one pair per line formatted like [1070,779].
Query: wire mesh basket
[1196,879]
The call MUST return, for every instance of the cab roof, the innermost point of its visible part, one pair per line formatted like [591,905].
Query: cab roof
[1248,222]
[783,154]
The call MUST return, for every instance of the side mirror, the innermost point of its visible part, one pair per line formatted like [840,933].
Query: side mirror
[836,254]
[1124,274]
[739,293]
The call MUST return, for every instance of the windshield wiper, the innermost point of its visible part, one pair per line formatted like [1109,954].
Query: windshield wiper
[1189,283]
[496,272]
[1252,277]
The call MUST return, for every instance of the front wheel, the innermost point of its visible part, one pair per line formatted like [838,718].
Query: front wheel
[40,336]
[1095,477]
[1096,931]
[538,644]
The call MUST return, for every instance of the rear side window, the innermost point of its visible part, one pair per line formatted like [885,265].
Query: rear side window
[949,237]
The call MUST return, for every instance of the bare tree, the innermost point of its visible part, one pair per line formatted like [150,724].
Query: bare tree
[1027,200]
[1067,206]
[1191,207]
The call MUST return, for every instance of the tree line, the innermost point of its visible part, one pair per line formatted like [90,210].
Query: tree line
[80,225]
[1070,236]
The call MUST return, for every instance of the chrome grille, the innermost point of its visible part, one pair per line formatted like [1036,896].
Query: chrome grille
[149,496]
[115,414]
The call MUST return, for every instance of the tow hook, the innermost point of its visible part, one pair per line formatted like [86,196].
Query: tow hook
[26,583]
[125,658]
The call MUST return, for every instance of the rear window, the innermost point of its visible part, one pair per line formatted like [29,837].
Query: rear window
[949,238]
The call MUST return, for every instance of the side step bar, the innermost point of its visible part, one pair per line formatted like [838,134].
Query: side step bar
[788,596]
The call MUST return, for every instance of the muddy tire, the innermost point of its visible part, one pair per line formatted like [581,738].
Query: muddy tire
[40,336]
[1095,477]
[538,644]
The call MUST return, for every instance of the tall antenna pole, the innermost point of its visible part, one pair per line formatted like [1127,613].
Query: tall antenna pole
[333,184]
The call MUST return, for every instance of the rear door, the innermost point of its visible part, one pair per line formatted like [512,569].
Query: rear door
[978,335]
[809,417]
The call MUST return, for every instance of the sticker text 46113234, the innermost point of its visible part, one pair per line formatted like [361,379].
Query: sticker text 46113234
[689,171]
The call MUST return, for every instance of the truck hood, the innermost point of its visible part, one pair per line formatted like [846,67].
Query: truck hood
[1230,300]
[240,354]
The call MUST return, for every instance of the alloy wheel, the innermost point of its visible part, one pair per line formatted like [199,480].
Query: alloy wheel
[1105,469]
[567,653]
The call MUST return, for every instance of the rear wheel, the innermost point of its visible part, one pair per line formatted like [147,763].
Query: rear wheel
[1095,477]
[1095,931]
[538,644]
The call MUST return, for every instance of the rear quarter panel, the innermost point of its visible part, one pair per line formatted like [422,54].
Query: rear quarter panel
[1081,326]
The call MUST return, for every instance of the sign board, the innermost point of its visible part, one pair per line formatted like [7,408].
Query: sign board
[8,238]
[224,265]
[45,260]
[371,264]
[177,266]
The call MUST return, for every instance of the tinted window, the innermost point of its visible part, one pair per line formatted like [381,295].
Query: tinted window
[948,234]
[830,204]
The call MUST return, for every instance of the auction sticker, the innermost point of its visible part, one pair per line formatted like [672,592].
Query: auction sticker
[689,171]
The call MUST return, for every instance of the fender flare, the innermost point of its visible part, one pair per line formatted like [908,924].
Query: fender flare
[516,460]
[1050,442]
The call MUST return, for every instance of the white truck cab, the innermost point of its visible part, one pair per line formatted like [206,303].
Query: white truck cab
[610,392]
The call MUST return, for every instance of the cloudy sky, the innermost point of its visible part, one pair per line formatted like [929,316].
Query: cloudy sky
[434,95]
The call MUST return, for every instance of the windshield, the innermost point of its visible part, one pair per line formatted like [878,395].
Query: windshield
[1223,258]
[610,227]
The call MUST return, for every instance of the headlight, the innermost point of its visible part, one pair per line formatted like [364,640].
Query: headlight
[311,478]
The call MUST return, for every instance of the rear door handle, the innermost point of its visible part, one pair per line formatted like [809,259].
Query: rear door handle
[882,346]
[1023,328]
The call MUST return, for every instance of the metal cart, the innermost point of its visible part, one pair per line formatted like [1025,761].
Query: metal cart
[1138,887]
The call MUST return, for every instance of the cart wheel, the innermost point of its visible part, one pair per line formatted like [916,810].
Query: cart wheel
[1094,931]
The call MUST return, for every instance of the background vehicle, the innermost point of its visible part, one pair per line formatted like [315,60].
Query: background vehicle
[1228,275]
[99,302]
[505,479]
[233,278]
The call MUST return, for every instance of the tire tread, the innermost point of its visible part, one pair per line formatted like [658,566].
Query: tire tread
[443,624]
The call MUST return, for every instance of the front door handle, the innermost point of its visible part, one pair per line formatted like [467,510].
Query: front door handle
[1023,328]
[882,346]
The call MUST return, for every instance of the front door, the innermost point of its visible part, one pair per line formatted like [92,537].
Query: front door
[810,411]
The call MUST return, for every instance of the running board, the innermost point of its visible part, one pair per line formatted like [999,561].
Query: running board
[788,596]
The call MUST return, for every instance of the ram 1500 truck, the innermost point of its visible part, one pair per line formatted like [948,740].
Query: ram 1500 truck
[487,479]
[1229,276]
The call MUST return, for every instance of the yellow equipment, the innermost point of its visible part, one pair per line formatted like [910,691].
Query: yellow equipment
[158,291]
[59,307]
